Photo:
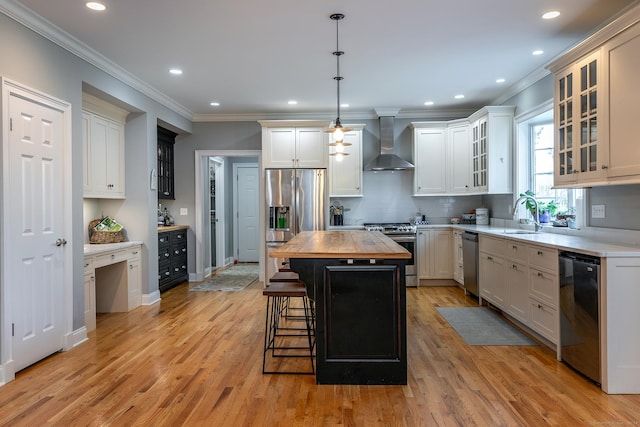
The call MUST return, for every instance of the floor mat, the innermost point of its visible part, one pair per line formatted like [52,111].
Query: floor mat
[234,278]
[479,326]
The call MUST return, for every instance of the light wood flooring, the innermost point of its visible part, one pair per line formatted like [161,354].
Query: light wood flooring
[194,359]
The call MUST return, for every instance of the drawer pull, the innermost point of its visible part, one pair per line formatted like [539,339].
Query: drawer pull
[540,253]
[540,274]
[515,267]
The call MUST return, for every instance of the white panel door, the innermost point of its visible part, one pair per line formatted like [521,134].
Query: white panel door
[36,217]
[248,214]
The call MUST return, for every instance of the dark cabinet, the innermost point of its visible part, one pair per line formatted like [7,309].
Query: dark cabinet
[166,141]
[172,259]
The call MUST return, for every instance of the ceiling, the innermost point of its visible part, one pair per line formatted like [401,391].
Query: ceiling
[253,56]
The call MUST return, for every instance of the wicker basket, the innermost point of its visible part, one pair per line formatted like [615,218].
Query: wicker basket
[96,236]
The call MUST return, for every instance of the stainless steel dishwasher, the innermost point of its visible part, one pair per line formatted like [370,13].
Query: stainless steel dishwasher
[579,309]
[470,262]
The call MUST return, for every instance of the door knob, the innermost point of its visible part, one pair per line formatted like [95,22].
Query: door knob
[61,242]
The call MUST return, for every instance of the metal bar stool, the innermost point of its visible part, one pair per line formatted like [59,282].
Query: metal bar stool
[278,332]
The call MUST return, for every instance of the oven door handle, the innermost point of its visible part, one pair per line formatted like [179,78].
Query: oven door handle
[403,238]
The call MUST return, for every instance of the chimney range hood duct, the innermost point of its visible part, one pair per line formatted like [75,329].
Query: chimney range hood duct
[387,160]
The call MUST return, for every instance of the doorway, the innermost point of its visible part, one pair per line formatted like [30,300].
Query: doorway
[216,223]
[225,233]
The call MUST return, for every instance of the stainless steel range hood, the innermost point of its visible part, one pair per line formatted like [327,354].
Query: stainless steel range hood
[387,160]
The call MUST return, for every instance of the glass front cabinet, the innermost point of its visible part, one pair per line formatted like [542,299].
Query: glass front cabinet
[579,150]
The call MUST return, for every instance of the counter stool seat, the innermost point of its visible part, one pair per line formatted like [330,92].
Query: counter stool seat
[282,335]
[285,276]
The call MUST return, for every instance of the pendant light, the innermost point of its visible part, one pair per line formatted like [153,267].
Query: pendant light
[337,130]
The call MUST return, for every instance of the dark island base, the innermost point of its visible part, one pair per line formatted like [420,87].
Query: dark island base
[360,319]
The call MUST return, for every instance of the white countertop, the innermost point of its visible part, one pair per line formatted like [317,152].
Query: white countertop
[585,245]
[92,249]
[601,247]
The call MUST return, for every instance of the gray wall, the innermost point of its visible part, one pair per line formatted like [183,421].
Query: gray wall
[34,61]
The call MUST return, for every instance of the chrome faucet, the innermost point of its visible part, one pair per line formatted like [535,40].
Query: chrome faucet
[536,218]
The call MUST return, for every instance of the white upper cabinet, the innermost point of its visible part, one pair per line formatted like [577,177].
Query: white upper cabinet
[491,149]
[429,154]
[459,157]
[597,107]
[295,144]
[103,149]
[345,175]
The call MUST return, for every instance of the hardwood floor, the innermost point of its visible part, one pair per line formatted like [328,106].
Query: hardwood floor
[196,357]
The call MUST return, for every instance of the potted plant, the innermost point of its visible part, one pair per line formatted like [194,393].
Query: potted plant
[546,210]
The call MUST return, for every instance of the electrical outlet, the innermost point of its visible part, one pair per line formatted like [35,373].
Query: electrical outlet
[184,211]
[597,211]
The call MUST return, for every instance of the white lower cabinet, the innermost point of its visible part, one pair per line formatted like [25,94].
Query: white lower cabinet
[458,263]
[522,280]
[112,282]
[434,248]
[492,281]
[517,291]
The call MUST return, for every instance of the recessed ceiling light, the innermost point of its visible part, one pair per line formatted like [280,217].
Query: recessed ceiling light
[94,5]
[344,105]
[500,80]
[215,104]
[175,71]
[292,102]
[459,96]
[428,103]
[537,52]
[551,14]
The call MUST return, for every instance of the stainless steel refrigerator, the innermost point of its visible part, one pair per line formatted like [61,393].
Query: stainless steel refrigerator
[295,201]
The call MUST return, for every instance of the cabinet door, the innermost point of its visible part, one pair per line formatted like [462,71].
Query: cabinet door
[479,154]
[345,176]
[115,159]
[134,277]
[280,147]
[517,276]
[441,241]
[621,64]
[166,176]
[106,144]
[564,170]
[459,156]
[423,254]
[430,161]
[312,148]
[90,301]
[492,282]
[589,151]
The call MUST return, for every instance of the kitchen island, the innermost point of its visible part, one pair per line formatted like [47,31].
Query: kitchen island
[357,280]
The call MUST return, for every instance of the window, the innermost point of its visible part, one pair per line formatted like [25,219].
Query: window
[541,167]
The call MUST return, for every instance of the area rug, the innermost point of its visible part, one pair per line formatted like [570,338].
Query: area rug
[480,326]
[234,278]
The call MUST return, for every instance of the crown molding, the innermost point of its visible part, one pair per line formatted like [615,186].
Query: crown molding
[46,29]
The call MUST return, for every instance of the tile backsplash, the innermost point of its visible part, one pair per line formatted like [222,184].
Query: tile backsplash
[388,198]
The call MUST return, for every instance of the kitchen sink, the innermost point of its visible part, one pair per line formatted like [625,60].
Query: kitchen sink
[519,232]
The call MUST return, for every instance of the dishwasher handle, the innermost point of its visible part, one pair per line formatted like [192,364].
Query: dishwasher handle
[473,237]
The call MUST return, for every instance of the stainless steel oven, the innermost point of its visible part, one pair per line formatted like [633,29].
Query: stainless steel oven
[403,234]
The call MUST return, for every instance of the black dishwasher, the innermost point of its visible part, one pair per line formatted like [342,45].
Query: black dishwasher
[579,313]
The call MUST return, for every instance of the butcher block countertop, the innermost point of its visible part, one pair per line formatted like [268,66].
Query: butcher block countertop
[341,244]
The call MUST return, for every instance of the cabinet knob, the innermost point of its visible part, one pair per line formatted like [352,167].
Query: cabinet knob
[490,258]
[540,274]
[540,253]
[515,267]
[605,167]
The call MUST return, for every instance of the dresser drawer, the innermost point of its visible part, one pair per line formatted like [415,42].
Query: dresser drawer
[517,251]
[544,258]
[492,245]
[110,258]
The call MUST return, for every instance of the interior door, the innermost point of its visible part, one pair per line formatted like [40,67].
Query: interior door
[248,213]
[34,226]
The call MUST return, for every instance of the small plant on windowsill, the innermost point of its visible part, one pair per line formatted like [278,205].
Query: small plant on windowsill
[545,210]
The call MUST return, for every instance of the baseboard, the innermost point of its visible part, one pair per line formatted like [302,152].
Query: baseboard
[75,338]
[150,299]
[437,282]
